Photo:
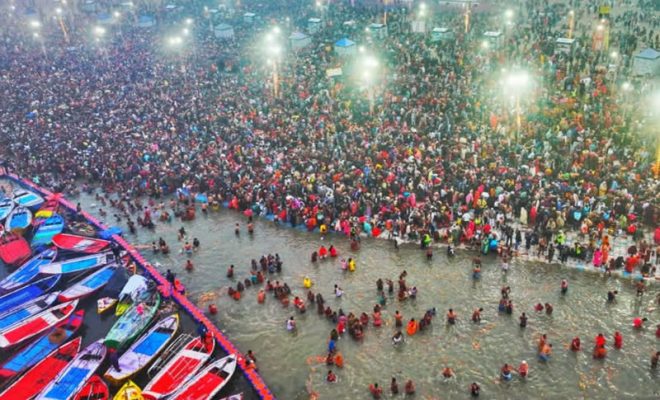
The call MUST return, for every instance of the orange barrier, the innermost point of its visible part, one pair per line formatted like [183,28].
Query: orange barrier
[252,376]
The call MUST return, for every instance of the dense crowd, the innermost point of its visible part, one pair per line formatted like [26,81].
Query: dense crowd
[434,146]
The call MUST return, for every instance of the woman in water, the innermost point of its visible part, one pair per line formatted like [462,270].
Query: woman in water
[451,317]
[523,369]
[397,338]
[291,324]
[505,372]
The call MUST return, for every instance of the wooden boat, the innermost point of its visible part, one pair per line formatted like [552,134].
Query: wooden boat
[144,350]
[179,369]
[27,293]
[89,284]
[27,310]
[207,383]
[134,321]
[18,220]
[6,207]
[26,198]
[94,389]
[28,271]
[104,304]
[80,244]
[136,285]
[14,249]
[82,229]
[74,376]
[130,391]
[36,325]
[46,230]
[36,379]
[32,354]
[79,264]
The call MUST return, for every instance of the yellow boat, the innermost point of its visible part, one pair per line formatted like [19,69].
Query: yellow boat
[104,304]
[130,391]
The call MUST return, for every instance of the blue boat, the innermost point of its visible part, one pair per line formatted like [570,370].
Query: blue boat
[27,310]
[47,229]
[28,199]
[89,284]
[72,378]
[19,219]
[6,207]
[28,271]
[26,293]
[32,354]
[80,264]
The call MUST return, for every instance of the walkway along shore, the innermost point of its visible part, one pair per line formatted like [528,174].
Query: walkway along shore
[250,373]
[570,236]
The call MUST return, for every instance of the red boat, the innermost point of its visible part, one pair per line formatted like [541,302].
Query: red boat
[14,249]
[36,378]
[80,244]
[95,389]
[181,367]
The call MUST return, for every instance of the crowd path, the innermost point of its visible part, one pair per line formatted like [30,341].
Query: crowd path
[197,315]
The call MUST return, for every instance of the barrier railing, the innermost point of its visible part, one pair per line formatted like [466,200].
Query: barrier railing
[196,314]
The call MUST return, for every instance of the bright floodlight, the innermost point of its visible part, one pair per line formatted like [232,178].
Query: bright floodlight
[571,12]
[116,14]
[509,14]
[275,50]
[600,27]
[270,37]
[276,30]
[189,21]
[318,4]
[517,80]
[175,40]
[99,31]
[58,10]
[626,86]
[370,62]
[35,34]
[185,32]
[35,24]
[361,49]
[614,54]
[485,44]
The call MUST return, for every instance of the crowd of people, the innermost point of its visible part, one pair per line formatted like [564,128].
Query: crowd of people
[432,149]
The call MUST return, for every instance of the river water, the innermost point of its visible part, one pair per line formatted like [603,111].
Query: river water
[476,352]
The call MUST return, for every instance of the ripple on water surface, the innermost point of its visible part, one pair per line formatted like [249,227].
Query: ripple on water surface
[476,352]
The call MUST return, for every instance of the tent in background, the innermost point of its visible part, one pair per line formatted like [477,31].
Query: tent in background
[299,40]
[345,47]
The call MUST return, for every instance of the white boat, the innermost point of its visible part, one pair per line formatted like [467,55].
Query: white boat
[26,198]
[144,350]
[179,368]
[89,284]
[136,285]
[26,310]
[36,324]
[74,377]
[207,383]
[79,264]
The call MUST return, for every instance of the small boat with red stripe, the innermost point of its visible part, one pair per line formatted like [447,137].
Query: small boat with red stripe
[76,374]
[209,382]
[94,389]
[80,244]
[35,352]
[36,324]
[14,249]
[179,367]
[36,379]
